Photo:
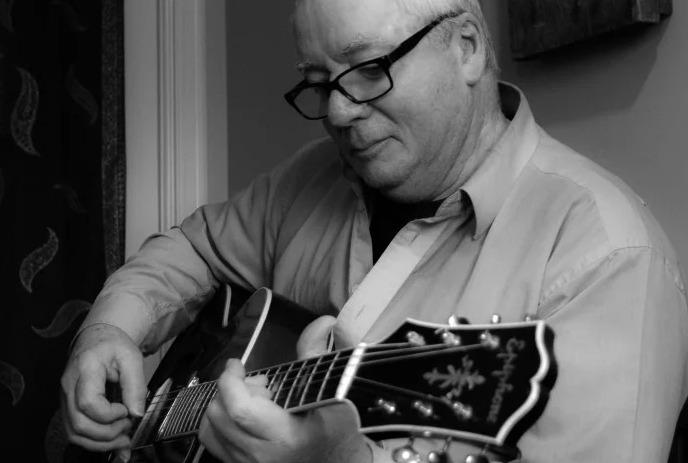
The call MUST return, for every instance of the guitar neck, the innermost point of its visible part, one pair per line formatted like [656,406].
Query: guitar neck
[295,386]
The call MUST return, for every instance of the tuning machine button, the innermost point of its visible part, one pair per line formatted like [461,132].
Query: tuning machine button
[495,319]
[529,317]
[406,454]
[441,456]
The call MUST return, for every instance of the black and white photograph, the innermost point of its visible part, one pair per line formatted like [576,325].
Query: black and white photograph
[343,231]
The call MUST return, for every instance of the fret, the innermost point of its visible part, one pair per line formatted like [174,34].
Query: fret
[169,421]
[207,394]
[274,377]
[163,426]
[192,410]
[181,405]
[190,413]
[314,369]
[176,415]
[279,389]
[294,384]
[327,376]
[189,402]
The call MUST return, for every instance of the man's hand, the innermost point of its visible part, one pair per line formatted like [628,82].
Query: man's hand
[242,425]
[102,353]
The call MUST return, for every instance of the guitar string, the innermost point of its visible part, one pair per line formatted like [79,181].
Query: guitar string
[400,390]
[315,380]
[324,366]
[164,405]
[361,384]
[381,347]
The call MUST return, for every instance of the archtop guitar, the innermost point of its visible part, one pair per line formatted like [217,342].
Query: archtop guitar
[486,384]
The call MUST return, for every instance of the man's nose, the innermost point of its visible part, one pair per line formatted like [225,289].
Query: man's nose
[341,111]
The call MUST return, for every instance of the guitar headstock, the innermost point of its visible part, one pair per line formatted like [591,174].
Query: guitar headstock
[486,383]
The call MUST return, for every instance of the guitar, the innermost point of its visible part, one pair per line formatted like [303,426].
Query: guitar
[483,383]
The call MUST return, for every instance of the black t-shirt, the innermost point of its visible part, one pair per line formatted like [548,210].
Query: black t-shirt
[388,217]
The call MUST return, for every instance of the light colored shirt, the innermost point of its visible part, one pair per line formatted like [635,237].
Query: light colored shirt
[537,230]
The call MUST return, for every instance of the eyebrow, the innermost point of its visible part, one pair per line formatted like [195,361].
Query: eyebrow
[359,44]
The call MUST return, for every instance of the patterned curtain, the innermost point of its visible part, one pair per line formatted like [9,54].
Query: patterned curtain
[61,200]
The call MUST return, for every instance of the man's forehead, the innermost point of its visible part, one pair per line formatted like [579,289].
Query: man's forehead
[343,28]
[358,45]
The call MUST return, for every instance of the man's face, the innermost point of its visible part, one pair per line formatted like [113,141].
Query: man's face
[406,143]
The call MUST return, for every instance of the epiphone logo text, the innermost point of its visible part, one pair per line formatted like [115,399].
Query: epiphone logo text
[508,357]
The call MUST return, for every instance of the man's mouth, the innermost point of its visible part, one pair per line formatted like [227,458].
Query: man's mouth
[360,147]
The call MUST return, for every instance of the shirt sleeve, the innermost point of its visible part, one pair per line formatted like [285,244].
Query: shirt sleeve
[160,289]
[621,345]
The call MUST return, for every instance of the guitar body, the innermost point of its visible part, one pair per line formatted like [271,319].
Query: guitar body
[235,324]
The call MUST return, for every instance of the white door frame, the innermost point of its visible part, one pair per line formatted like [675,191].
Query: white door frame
[173,106]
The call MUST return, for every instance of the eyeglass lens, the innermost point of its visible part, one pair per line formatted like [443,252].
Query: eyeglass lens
[362,84]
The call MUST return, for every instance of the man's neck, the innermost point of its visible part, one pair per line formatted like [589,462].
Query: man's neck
[487,129]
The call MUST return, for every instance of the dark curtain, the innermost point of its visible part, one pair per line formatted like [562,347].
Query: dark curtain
[61,199]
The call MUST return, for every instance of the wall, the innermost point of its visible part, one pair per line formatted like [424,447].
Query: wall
[621,101]
[262,128]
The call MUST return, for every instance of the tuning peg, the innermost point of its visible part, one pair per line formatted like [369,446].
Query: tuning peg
[489,340]
[406,454]
[529,317]
[495,319]
[415,338]
[441,456]
[448,337]
[476,458]
[386,406]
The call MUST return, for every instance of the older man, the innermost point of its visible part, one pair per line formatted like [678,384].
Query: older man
[435,195]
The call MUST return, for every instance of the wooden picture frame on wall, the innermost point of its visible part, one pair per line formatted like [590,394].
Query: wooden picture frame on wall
[538,26]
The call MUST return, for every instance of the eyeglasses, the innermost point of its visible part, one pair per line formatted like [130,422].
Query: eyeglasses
[362,83]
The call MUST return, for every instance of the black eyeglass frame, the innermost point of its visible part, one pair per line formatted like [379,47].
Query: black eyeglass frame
[385,62]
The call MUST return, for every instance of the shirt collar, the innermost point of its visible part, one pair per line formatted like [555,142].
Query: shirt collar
[487,189]
[491,183]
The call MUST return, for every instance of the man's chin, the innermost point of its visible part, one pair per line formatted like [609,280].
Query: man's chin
[399,190]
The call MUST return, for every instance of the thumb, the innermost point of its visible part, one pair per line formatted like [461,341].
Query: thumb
[314,338]
[132,382]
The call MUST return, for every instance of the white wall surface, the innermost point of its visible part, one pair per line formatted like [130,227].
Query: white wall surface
[262,128]
[622,101]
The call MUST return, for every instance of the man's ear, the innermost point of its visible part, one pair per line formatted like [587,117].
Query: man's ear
[473,48]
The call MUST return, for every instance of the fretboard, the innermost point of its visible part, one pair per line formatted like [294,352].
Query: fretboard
[294,386]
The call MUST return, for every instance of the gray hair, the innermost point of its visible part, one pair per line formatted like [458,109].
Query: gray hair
[431,9]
